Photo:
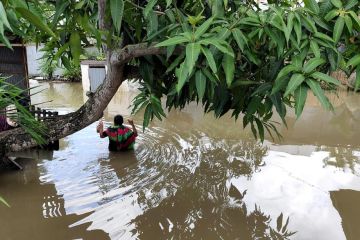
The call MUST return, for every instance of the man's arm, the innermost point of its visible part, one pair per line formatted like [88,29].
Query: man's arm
[131,122]
[100,129]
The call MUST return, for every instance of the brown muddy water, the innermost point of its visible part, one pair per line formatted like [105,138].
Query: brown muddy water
[190,177]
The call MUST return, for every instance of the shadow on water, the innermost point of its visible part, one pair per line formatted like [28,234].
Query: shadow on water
[206,205]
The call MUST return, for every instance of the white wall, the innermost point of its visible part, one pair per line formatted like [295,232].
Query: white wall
[33,59]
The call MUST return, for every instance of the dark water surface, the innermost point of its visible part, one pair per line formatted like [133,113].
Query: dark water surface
[190,177]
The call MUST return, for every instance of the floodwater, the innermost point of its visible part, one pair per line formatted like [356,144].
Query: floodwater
[191,176]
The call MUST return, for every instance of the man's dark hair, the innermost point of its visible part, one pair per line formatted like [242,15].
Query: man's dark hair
[118,120]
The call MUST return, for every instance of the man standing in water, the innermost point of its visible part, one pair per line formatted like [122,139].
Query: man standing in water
[121,138]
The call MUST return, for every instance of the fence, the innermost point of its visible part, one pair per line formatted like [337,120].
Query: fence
[42,114]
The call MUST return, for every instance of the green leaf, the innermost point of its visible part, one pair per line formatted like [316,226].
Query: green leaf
[117,11]
[168,3]
[323,37]
[297,28]
[337,3]
[300,96]
[309,24]
[325,77]
[312,64]
[279,222]
[147,116]
[220,45]
[200,83]
[260,129]
[3,38]
[312,5]
[172,41]
[60,8]
[75,47]
[357,79]
[354,61]
[61,50]
[355,17]
[3,17]
[2,199]
[295,81]
[175,63]
[289,27]
[36,21]
[286,70]
[350,4]
[229,68]
[338,29]
[192,54]
[203,28]
[239,38]
[182,75]
[210,59]
[319,93]
[315,48]
[349,23]
[149,7]
[330,15]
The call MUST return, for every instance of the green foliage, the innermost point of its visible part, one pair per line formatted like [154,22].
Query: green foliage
[12,95]
[73,73]
[2,200]
[231,56]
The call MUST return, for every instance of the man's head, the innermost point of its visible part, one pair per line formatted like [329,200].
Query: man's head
[118,120]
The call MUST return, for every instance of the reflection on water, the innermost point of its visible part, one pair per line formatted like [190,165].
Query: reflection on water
[190,177]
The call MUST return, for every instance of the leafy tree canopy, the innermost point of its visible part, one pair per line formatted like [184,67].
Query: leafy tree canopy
[229,55]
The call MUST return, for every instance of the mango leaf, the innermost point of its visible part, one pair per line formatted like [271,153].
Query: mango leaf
[330,15]
[315,48]
[312,5]
[349,23]
[3,17]
[312,64]
[210,59]
[3,38]
[182,75]
[354,61]
[149,7]
[192,54]
[297,28]
[168,3]
[279,105]
[203,28]
[35,20]
[117,11]
[175,63]
[220,45]
[300,96]
[279,222]
[286,70]
[355,17]
[4,202]
[325,77]
[60,8]
[350,4]
[61,50]
[323,37]
[260,129]
[337,3]
[239,38]
[338,29]
[172,41]
[319,93]
[229,68]
[200,81]
[295,81]
[75,47]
